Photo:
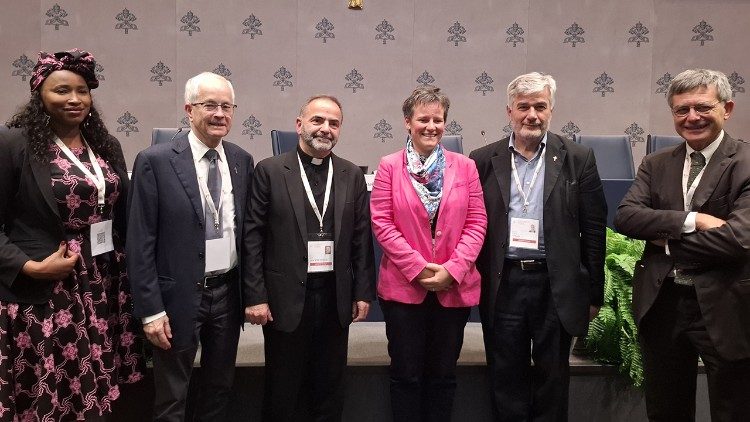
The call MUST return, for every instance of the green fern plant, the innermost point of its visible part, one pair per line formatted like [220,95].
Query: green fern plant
[613,335]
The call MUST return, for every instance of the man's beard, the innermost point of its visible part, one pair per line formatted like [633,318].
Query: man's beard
[318,143]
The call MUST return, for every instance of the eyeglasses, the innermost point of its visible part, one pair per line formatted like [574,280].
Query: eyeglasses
[213,107]
[701,109]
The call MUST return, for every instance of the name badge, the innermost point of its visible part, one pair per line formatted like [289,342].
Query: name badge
[524,233]
[101,238]
[217,254]
[319,253]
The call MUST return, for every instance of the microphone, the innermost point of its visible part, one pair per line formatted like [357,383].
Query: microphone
[484,137]
[175,134]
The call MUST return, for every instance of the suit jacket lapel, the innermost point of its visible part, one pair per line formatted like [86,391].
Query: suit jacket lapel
[501,167]
[42,177]
[236,173]
[297,195]
[449,176]
[672,193]
[342,186]
[184,168]
[553,163]
[713,172]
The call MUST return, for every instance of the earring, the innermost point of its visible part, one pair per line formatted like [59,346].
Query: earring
[46,119]
[87,120]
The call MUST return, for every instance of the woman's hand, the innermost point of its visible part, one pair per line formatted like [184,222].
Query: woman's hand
[439,281]
[57,266]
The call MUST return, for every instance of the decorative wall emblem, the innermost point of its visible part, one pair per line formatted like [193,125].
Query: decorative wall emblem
[514,34]
[383,130]
[638,33]
[98,71]
[354,80]
[23,66]
[223,71]
[507,130]
[161,72]
[252,126]
[702,33]
[635,133]
[128,123]
[253,25]
[457,32]
[125,21]
[283,78]
[574,33]
[325,30]
[570,129]
[663,83]
[603,84]
[56,17]
[425,79]
[384,30]
[735,81]
[191,23]
[484,84]
[453,128]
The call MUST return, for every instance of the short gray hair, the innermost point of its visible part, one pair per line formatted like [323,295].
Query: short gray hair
[330,98]
[425,95]
[532,83]
[193,85]
[691,79]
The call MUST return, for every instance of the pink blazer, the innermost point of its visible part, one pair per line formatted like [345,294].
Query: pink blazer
[402,227]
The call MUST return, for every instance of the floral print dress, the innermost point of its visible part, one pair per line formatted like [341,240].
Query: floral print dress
[63,360]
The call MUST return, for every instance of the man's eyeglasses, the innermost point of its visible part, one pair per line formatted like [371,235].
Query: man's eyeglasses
[213,107]
[701,109]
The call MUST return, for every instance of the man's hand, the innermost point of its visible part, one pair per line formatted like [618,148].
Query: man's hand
[707,221]
[442,280]
[57,266]
[259,314]
[360,309]
[158,332]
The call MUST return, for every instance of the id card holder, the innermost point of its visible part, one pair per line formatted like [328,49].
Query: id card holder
[217,254]
[319,252]
[101,238]
[524,233]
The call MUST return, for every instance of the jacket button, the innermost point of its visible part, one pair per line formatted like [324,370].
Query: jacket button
[304,258]
[200,255]
[438,233]
[659,281]
[200,224]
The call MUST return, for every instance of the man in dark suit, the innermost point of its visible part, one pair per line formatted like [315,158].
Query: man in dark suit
[691,288]
[542,263]
[309,270]
[187,207]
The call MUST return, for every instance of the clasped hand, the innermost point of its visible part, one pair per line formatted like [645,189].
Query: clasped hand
[435,278]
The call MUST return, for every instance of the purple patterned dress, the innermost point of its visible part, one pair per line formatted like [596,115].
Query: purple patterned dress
[63,360]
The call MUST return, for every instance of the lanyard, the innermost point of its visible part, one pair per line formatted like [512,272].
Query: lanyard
[311,197]
[533,178]
[97,179]
[203,185]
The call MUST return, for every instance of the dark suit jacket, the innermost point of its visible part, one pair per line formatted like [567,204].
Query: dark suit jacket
[30,218]
[166,237]
[275,269]
[575,215]
[653,209]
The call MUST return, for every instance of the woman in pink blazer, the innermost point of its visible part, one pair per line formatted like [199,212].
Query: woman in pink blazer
[428,215]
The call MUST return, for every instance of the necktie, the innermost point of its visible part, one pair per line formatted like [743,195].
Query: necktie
[697,162]
[214,188]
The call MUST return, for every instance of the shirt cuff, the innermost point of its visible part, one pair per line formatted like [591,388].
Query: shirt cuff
[148,319]
[689,225]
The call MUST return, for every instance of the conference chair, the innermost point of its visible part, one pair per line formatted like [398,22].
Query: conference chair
[160,135]
[614,160]
[283,141]
[657,142]
[453,143]
[614,155]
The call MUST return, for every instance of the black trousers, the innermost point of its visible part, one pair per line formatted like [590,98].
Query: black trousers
[305,368]
[526,327]
[673,335]
[217,328]
[424,342]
